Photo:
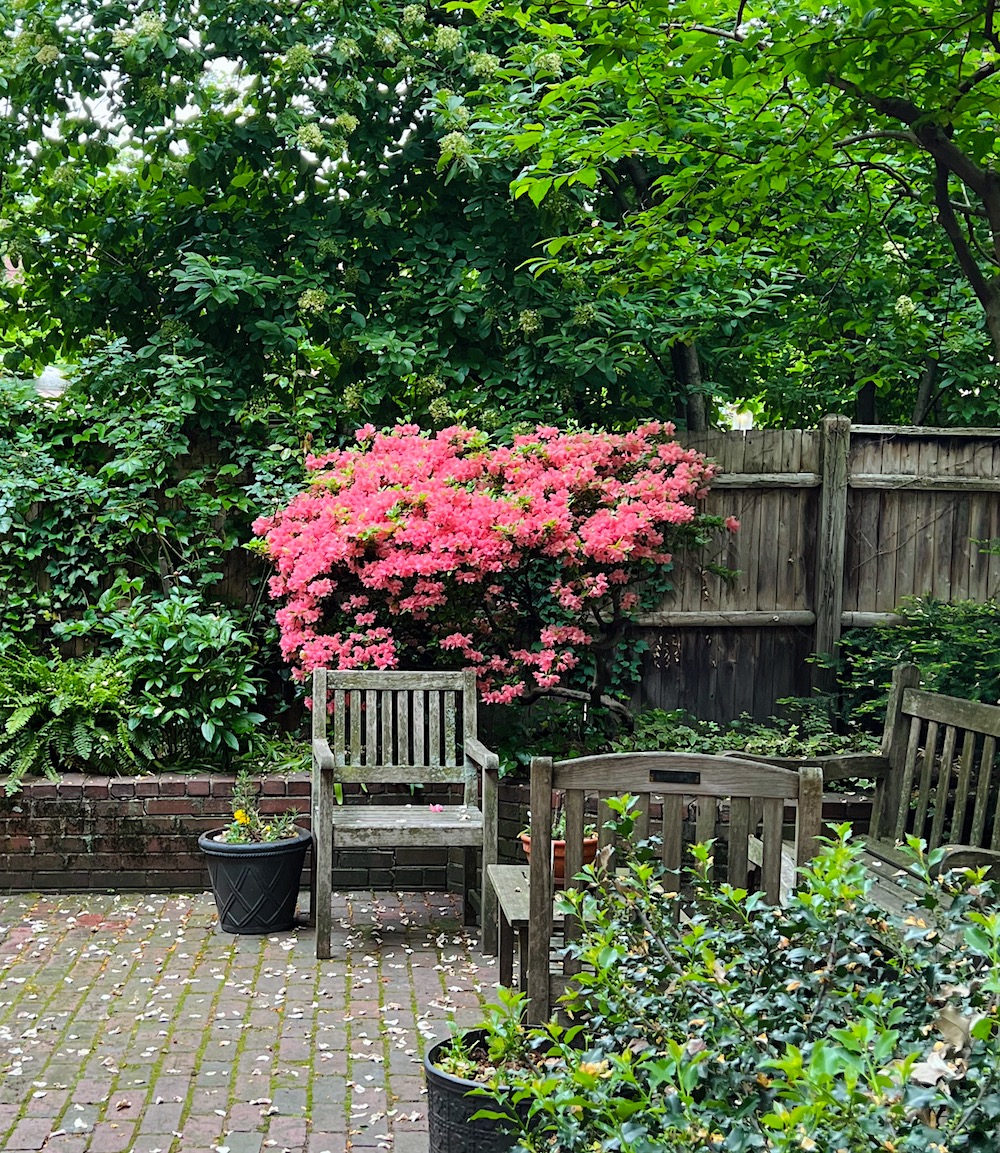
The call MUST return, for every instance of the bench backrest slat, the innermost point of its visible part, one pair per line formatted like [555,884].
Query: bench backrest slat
[942,781]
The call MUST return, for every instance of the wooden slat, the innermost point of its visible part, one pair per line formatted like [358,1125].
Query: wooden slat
[392,774]
[371,725]
[401,754]
[923,791]
[339,742]
[760,480]
[355,756]
[434,729]
[450,730]
[953,711]
[729,619]
[605,836]
[962,785]
[739,841]
[672,838]
[418,730]
[388,751]
[943,764]
[899,832]
[925,483]
[771,867]
[984,779]
[704,775]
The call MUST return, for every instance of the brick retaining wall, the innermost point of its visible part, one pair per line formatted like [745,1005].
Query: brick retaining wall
[86,832]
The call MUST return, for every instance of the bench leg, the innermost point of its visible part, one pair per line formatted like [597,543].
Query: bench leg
[505,951]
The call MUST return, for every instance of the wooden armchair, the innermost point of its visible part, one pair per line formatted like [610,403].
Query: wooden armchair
[679,799]
[409,728]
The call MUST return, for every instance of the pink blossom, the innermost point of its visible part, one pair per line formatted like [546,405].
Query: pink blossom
[418,543]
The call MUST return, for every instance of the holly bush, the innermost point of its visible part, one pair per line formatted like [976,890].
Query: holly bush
[827,1024]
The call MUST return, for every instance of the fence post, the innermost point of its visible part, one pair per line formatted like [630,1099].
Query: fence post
[835,450]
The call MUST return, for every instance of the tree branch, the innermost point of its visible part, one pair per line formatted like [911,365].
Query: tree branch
[949,222]
[880,134]
[736,35]
[623,712]
[980,74]
[932,137]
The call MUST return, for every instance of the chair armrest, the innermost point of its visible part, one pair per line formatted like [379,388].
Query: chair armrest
[481,756]
[322,756]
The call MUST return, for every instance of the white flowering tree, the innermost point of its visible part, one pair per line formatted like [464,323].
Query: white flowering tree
[289,197]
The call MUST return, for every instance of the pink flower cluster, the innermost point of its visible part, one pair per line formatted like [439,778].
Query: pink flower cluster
[506,559]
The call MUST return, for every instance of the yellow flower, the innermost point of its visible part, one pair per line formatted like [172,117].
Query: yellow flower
[240,817]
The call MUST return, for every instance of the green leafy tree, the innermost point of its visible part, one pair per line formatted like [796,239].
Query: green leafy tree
[289,196]
[805,185]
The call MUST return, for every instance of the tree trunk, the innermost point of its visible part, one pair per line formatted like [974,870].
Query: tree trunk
[687,369]
[864,404]
[925,390]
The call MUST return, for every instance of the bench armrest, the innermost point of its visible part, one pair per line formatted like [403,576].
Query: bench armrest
[835,766]
[969,857]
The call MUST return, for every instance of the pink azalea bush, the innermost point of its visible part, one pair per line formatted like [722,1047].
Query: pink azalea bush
[517,561]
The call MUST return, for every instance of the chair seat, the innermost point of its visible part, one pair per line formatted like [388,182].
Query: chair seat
[407,825]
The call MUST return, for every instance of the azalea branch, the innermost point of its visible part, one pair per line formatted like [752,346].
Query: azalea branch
[622,711]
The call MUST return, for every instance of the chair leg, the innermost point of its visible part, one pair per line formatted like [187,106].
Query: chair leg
[468,882]
[505,951]
[488,912]
[323,914]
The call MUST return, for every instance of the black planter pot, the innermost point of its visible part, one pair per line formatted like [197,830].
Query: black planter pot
[450,1110]
[256,886]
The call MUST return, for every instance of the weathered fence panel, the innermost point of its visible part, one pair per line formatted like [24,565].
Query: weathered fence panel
[837,526]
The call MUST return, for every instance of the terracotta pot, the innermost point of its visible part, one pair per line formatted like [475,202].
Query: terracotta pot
[559,855]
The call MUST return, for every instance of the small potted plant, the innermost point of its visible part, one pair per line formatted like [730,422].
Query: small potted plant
[255,864]
[461,1113]
[559,843]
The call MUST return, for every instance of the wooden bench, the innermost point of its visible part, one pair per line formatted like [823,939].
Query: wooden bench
[408,728]
[936,777]
[676,792]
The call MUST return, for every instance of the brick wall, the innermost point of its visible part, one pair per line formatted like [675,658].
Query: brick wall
[86,832]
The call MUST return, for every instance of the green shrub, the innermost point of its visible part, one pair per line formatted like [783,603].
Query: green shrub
[805,731]
[956,646]
[191,672]
[67,714]
[824,1025]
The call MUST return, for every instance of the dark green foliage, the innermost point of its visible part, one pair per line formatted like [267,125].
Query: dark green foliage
[804,731]
[67,715]
[956,646]
[189,663]
[823,1025]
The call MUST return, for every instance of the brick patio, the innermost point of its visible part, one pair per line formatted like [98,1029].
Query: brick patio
[130,1023]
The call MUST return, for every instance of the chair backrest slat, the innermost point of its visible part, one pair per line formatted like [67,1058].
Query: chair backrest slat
[397,727]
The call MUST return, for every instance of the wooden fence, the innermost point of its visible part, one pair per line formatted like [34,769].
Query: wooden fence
[837,526]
